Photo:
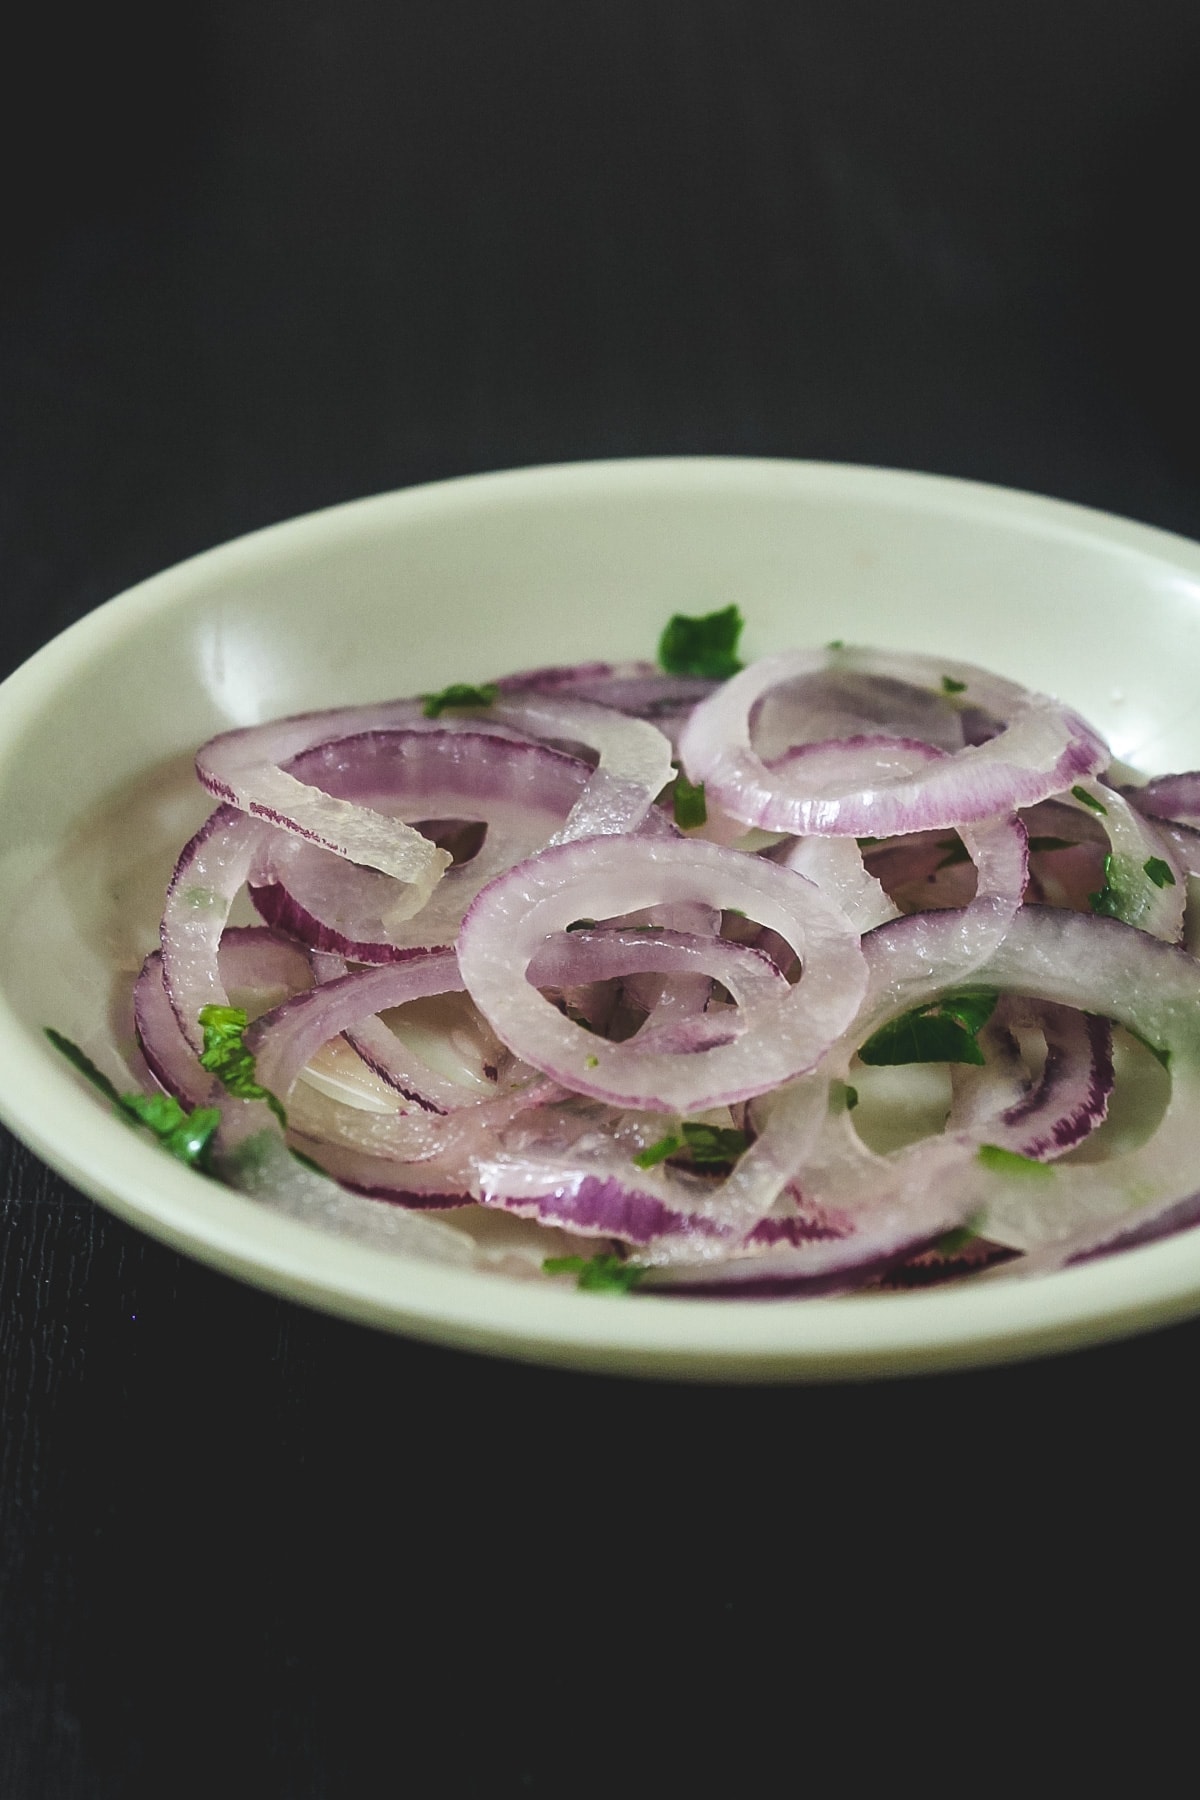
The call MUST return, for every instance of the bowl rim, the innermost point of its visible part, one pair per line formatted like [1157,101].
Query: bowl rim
[851,1336]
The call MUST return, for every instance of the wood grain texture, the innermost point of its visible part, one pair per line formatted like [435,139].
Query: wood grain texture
[262,259]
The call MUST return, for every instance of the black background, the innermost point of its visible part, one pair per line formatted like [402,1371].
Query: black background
[259,258]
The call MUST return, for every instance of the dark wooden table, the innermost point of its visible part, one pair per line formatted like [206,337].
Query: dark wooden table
[262,258]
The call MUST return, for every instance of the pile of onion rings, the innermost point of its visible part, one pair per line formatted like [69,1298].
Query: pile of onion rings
[852,970]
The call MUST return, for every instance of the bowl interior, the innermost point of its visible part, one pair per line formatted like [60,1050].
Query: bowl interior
[477,577]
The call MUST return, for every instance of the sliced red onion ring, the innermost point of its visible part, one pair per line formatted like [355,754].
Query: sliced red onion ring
[842,702]
[252,961]
[523,792]
[208,877]
[1069,959]
[580,1175]
[244,768]
[1145,885]
[1043,749]
[893,1205]
[1058,1111]
[635,760]
[640,689]
[505,928]
[286,1039]
[1175,798]
[577,956]
[835,865]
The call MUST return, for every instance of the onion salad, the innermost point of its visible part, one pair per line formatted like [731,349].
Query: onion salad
[842,970]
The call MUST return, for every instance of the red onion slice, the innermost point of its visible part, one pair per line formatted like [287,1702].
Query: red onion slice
[580,1174]
[1145,885]
[244,768]
[508,923]
[640,689]
[1064,1106]
[635,760]
[523,792]
[208,877]
[1043,749]
[1069,959]
[835,865]
[1175,798]
[843,702]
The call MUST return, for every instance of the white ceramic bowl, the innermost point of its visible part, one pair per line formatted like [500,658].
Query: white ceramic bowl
[466,579]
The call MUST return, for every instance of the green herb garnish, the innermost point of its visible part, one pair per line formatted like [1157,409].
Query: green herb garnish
[702,646]
[944,1031]
[1107,901]
[691,809]
[186,1135]
[842,1097]
[226,1056]
[836,644]
[1159,872]
[1081,794]
[602,1274]
[950,686]
[459,693]
[1010,1162]
[708,1144]
[705,1146]
[656,1153]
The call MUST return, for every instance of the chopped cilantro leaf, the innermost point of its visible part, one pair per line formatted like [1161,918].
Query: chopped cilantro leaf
[1085,799]
[702,646]
[851,1097]
[836,644]
[1107,902]
[185,1135]
[182,1134]
[459,693]
[1159,872]
[944,1031]
[713,1143]
[971,1010]
[842,1097]
[226,1056]
[656,1153]
[591,1062]
[602,1274]
[1010,1162]
[691,808]
[704,1146]
[950,686]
